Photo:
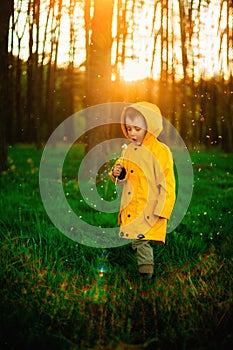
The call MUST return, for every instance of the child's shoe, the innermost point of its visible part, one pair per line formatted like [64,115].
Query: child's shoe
[146,276]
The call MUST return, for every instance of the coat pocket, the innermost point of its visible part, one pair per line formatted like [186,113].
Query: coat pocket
[149,216]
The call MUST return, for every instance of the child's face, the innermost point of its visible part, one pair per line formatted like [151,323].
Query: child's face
[136,129]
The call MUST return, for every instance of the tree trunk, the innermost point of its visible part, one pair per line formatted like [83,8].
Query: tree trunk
[5,13]
[183,113]
[33,89]
[52,68]
[98,65]
[99,54]
[226,119]
[10,134]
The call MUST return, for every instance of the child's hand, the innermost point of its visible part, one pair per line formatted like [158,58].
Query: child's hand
[116,170]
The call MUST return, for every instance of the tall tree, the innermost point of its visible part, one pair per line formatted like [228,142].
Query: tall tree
[19,28]
[55,28]
[98,63]
[163,54]
[6,9]
[32,67]
[99,44]
[226,119]
[183,27]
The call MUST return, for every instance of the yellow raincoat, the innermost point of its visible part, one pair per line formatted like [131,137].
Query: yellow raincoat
[148,195]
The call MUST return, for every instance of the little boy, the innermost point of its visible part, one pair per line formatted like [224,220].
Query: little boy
[146,171]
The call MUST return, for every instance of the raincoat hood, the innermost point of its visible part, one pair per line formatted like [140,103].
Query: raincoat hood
[152,115]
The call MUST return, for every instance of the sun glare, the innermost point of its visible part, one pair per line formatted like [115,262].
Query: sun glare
[65,47]
[134,70]
[138,54]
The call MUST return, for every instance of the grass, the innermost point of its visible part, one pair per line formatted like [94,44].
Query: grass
[53,295]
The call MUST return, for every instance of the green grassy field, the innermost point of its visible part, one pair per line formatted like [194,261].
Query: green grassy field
[54,297]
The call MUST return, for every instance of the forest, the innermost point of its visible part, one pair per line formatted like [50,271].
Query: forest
[64,283]
[59,57]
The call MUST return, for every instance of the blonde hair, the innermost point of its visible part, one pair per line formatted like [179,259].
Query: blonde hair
[133,114]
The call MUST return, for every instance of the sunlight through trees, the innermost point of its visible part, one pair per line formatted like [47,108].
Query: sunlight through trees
[64,55]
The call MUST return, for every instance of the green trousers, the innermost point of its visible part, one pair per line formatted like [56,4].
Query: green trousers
[144,255]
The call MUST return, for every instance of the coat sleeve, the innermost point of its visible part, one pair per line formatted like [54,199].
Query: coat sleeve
[166,185]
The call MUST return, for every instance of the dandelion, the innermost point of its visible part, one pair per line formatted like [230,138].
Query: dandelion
[34,170]
[30,161]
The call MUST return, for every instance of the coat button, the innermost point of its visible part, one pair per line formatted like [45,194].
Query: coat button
[140,236]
